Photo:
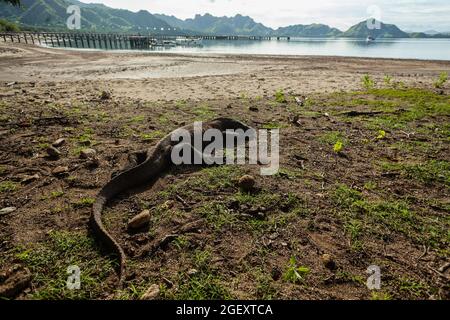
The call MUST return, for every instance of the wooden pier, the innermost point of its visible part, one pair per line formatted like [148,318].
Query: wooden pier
[109,41]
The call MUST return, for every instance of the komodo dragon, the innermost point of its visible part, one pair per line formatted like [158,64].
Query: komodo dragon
[157,160]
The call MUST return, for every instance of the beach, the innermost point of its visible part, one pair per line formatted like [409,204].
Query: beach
[156,76]
[363,180]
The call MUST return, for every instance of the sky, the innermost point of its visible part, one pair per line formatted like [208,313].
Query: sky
[409,15]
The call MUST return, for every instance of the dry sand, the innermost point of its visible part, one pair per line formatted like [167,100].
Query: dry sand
[156,76]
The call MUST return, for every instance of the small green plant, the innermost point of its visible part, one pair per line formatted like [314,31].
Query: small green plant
[338,147]
[381,134]
[56,194]
[136,119]
[443,77]
[7,186]
[368,82]
[387,80]
[380,296]
[151,136]
[280,97]
[295,274]
[84,202]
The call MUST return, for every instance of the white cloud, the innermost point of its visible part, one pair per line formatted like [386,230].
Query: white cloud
[407,14]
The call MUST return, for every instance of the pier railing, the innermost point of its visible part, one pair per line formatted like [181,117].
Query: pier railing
[108,40]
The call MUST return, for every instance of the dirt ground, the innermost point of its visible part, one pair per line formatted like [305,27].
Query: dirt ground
[364,177]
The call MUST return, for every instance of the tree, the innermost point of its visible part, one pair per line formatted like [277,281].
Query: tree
[13,2]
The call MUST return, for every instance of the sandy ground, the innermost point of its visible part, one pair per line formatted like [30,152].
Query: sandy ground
[156,76]
[370,203]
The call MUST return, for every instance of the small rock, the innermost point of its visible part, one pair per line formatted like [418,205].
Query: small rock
[88,153]
[192,272]
[7,210]
[276,273]
[59,142]
[28,179]
[106,95]
[53,152]
[60,170]
[299,101]
[247,183]
[328,261]
[152,293]
[253,108]
[140,220]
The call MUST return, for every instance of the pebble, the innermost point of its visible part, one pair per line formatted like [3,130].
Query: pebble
[140,220]
[59,142]
[152,293]
[60,170]
[192,272]
[88,153]
[247,183]
[53,152]
[7,210]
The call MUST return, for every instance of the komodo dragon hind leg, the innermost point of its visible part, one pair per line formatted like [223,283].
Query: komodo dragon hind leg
[134,159]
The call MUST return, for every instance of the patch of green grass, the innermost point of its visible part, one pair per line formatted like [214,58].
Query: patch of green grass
[84,203]
[367,82]
[56,194]
[49,262]
[333,137]
[380,295]
[400,107]
[203,286]
[370,185]
[387,80]
[206,284]
[412,287]
[203,112]
[346,276]
[264,287]
[180,242]
[432,171]
[217,177]
[137,119]
[8,186]
[157,134]
[217,215]
[280,97]
[163,120]
[353,228]
[295,274]
[381,218]
[439,83]
[85,139]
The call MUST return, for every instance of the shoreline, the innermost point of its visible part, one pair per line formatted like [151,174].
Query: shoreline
[233,55]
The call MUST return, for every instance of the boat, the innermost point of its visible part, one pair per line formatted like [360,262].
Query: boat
[188,42]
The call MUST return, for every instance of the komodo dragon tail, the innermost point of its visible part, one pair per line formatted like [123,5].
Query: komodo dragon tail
[125,181]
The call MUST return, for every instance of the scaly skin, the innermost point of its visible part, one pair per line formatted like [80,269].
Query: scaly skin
[158,159]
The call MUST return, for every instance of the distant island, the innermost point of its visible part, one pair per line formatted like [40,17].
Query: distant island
[50,15]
